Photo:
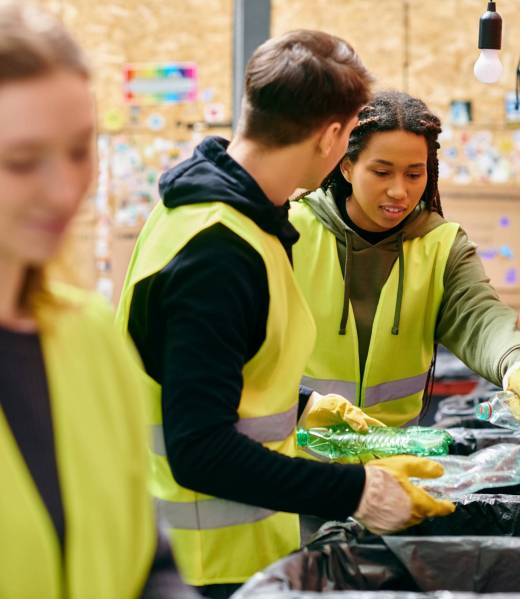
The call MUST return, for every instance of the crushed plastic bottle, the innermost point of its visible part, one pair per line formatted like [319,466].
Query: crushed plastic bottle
[340,441]
[492,467]
[503,410]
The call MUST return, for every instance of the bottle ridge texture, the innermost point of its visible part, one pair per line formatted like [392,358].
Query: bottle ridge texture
[340,441]
[503,410]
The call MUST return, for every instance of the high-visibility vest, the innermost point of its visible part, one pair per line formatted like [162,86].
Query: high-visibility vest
[218,541]
[396,366]
[100,444]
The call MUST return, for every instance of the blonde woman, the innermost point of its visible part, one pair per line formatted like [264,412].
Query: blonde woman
[75,516]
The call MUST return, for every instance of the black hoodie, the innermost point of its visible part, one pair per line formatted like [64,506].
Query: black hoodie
[197,323]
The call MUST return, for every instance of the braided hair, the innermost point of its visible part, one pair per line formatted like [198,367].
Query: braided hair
[393,111]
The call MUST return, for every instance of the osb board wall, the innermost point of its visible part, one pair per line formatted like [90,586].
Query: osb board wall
[442,38]
[442,45]
[114,32]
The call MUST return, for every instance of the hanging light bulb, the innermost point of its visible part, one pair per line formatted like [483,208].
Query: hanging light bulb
[488,67]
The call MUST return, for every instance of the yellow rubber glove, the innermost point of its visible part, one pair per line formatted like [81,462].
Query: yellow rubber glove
[423,505]
[514,386]
[326,410]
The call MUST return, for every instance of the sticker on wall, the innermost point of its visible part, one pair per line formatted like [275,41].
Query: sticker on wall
[214,113]
[512,113]
[487,254]
[206,95]
[160,83]
[156,122]
[445,170]
[516,139]
[451,152]
[511,276]
[113,120]
[504,222]
[460,112]
[446,134]
[505,145]
[501,172]
[470,151]
[462,175]
[135,115]
[506,251]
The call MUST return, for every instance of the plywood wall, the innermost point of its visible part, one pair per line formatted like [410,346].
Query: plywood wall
[442,42]
[114,32]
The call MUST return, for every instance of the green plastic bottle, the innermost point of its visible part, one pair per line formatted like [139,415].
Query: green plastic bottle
[340,441]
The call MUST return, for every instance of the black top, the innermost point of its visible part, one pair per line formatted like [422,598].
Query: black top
[25,403]
[371,237]
[196,324]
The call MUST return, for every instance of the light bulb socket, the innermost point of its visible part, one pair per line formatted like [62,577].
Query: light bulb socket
[490,29]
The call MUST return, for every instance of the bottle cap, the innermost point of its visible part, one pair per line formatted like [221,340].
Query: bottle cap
[484,410]
[302,437]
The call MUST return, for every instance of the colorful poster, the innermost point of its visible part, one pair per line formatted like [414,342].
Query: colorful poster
[160,83]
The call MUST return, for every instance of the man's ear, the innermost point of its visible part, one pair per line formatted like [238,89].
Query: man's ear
[328,137]
[346,169]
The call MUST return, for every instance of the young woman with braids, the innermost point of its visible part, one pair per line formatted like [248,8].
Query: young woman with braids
[387,277]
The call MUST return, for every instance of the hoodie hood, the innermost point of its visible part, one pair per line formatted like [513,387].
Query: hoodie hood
[420,222]
[211,175]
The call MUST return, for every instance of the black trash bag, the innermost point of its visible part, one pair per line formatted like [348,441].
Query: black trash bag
[475,515]
[343,556]
[340,556]
[469,440]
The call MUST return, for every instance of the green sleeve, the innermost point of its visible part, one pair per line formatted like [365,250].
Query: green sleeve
[473,323]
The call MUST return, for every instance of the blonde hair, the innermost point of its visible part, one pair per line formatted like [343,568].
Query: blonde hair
[33,43]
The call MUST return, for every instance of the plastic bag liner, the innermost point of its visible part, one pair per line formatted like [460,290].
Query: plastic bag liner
[470,440]
[465,422]
[475,515]
[259,594]
[495,467]
[344,556]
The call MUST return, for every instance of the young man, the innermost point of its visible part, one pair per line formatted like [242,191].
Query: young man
[224,333]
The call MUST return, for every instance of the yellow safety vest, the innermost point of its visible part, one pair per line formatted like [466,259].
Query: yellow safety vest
[100,444]
[396,366]
[218,541]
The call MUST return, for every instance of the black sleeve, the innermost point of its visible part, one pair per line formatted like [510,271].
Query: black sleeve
[211,311]
[303,397]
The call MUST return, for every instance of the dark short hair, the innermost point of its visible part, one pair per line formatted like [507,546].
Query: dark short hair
[393,111]
[298,82]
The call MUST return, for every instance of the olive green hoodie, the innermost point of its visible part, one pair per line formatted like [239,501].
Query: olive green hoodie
[472,322]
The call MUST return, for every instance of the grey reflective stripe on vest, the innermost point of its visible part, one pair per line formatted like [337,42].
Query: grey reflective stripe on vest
[208,514]
[373,395]
[275,427]
[395,389]
[345,388]
[157,439]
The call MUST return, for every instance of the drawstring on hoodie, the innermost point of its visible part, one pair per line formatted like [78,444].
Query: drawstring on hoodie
[400,286]
[346,277]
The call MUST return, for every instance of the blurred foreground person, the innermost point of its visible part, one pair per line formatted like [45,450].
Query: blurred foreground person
[75,517]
